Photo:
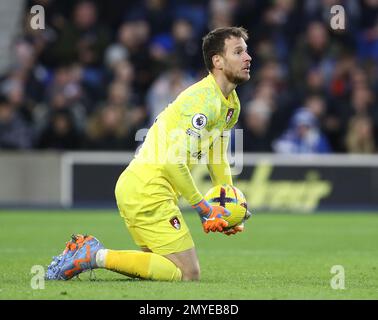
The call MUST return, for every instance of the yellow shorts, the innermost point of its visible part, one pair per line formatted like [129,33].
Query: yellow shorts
[152,218]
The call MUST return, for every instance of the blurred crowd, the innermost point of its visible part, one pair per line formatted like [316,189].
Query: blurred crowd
[102,70]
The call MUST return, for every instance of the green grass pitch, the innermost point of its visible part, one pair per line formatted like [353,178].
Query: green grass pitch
[279,256]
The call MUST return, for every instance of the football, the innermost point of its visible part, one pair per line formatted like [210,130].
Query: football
[230,198]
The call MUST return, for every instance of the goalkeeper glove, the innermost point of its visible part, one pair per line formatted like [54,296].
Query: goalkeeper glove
[239,227]
[211,216]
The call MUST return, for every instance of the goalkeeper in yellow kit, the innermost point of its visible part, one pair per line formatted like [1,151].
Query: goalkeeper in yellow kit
[194,126]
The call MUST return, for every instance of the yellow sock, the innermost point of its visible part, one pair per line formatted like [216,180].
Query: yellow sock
[145,265]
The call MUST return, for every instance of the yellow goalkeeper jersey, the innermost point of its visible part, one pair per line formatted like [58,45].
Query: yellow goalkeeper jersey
[193,127]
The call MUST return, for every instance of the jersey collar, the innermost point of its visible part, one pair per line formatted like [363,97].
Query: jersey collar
[225,101]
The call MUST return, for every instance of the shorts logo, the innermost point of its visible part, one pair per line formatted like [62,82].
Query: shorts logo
[199,121]
[175,222]
[229,115]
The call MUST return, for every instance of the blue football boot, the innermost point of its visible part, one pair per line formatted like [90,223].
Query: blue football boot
[78,256]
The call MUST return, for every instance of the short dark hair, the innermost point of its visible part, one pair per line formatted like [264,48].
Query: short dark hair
[213,42]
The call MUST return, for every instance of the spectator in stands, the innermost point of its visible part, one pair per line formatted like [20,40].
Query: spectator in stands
[67,92]
[158,13]
[362,102]
[367,40]
[165,89]
[13,88]
[14,132]
[34,74]
[83,40]
[123,72]
[295,55]
[360,135]
[23,83]
[161,53]
[60,133]
[272,88]
[313,50]
[108,129]
[257,137]
[120,95]
[304,134]
[187,51]
[321,11]
[314,82]
[279,23]
[132,44]
[221,13]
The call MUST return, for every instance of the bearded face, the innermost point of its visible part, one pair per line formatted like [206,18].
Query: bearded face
[236,61]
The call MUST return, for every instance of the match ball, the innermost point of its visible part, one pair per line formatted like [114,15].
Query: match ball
[230,198]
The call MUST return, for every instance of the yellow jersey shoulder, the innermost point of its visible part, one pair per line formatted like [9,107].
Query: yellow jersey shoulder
[205,99]
[202,98]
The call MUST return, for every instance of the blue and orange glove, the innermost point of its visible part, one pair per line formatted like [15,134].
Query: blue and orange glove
[239,227]
[211,216]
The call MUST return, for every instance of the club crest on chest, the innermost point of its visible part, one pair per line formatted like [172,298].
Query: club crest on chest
[229,115]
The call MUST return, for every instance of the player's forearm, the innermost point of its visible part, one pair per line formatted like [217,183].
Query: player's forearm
[183,181]
[218,165]
[220,173]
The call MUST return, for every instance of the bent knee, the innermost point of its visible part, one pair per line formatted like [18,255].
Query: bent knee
[191,274]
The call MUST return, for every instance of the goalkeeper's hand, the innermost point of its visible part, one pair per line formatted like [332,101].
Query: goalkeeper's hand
[211,216]
[239,227]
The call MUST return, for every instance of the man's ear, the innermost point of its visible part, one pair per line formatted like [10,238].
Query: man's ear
[217,61]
